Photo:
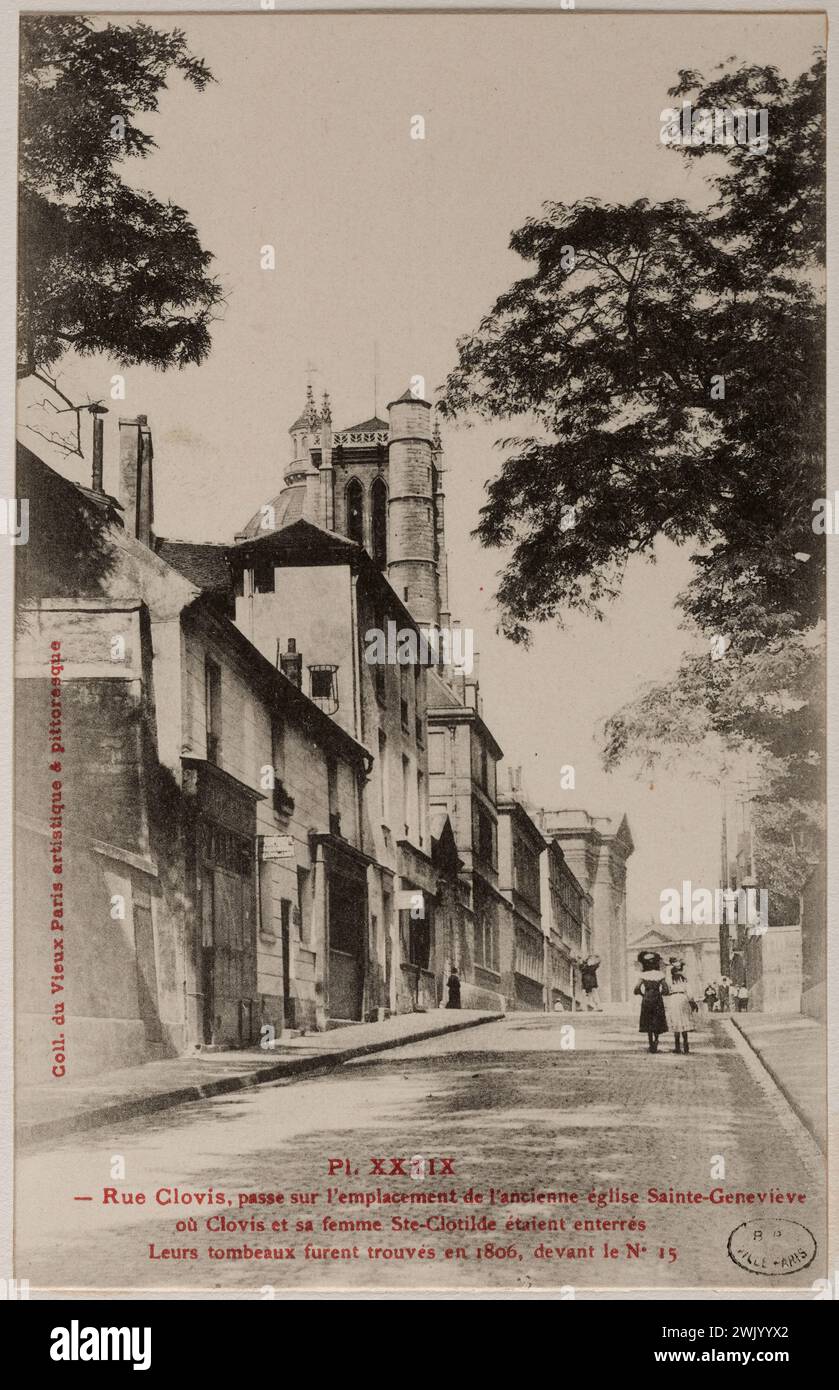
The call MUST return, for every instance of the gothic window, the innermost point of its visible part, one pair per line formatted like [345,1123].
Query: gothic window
[378,506]
[355,511]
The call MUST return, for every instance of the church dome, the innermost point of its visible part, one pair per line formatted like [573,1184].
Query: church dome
[288,506]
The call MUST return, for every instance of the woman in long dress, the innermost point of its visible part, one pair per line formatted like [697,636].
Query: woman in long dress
[652,988]
[679,1007]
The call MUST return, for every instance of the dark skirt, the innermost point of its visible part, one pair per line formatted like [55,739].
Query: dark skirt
[653,1018]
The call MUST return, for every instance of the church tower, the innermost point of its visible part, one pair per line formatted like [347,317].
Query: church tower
[412,539]
[438,483]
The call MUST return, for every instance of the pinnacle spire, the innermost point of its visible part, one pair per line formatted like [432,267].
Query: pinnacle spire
[311,408]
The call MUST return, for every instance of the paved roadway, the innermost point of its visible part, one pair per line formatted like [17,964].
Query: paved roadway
[510,1105]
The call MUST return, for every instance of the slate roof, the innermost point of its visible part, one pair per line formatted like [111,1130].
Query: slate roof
[203,563]
[366,426]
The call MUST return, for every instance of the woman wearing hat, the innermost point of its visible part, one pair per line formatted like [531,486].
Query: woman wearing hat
[652,988]
[679,1006]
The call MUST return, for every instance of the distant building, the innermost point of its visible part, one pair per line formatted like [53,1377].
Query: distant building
[520,851]
[463,758]
[781,959]
[353,542]
[567,923]
[380,484]
[597,855]
[697,946]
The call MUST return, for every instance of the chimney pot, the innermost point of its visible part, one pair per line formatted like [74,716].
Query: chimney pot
[98,453]
[291,664]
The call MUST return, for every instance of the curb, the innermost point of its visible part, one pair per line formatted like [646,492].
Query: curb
[791,1101]
[289,1066]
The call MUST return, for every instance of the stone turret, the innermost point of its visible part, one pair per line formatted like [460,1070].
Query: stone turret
[412,562]
[438,482]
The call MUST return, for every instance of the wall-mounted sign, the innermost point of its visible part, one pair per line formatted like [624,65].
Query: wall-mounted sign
[411,900]
[275,847]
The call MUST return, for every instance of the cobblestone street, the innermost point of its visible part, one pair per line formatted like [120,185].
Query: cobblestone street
[512,1108]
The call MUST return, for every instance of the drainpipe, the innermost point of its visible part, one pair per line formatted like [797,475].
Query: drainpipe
[356,659]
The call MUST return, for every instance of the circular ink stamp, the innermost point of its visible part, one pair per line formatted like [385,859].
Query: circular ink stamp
[772,1246]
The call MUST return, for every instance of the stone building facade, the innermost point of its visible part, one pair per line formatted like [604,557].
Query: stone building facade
[311,595]
[521,848]
[181,752]
[280,789]
[597,855]
[567,925]
[354,543]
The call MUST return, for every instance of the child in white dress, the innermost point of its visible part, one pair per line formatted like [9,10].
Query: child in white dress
[679,1005]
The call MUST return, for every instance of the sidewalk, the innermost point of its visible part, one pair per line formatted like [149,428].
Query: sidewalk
[793,1051]
[58,1108]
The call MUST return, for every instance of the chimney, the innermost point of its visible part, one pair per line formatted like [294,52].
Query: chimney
[291,663]
[135,468]
[145,502]
[97,481]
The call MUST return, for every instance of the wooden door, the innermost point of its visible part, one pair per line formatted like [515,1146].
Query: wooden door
[230,970]
[347,930]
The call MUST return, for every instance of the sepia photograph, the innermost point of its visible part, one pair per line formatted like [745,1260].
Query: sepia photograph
[420,543]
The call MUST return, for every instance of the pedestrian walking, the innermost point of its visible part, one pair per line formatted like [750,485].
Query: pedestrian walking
[679,1007]
[588,980]
[453,984]
[723,993]
[652,988]
[741,999]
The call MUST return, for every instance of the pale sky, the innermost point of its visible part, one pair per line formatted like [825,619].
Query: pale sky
[304,143]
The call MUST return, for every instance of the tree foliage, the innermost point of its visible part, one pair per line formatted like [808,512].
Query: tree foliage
[618,350]
[103,267]
[617,342]
[757,708]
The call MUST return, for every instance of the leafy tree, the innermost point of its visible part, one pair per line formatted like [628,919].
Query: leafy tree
[755,707]
[103,267]
[773,204]
[619,343]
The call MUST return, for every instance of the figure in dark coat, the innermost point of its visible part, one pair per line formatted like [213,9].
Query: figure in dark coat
[588,980]
[453,984]
[652,988]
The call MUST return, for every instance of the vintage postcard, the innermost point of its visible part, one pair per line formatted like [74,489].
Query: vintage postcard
[420,536]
